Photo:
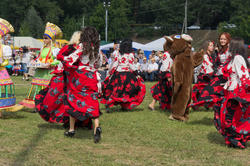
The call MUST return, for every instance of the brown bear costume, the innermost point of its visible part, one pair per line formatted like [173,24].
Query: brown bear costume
[179,47]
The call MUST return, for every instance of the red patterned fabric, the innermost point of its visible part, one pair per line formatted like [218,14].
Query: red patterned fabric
[231,118]
[123,88]
[162,91]
[72,92]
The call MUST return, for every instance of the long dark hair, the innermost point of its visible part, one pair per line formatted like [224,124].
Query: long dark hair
[206,44]
[126,46]
[236,47]
[90,41]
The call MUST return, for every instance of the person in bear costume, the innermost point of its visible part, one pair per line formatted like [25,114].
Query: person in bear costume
[179,47]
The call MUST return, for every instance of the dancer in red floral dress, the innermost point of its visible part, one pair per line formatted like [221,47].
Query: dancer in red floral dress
[214,88]
[232,105]
[50,101]
[162,91]
[123,86]
[206,71]
[232,113]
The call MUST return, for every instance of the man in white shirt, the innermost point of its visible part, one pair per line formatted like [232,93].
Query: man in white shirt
[152,70]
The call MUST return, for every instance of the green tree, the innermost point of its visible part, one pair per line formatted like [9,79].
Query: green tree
[118,24]
[240,18]
[33,23]
[24,29]
[70,25]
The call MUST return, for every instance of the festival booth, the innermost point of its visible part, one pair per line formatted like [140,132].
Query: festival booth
[147,51]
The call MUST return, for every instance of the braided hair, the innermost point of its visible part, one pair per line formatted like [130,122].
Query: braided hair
[90,41]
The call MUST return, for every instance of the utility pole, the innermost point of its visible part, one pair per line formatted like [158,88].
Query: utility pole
[106,4]
[184,27]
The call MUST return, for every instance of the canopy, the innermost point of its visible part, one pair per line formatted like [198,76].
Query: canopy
[27,41]
[135,45]
[156,45]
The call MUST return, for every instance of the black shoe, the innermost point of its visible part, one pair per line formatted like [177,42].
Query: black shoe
[69,133]
[97,136]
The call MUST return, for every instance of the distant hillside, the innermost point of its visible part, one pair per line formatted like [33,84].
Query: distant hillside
[199,37]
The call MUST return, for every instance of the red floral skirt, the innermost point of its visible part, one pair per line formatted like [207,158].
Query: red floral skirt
[231,118]
[203,81]
[162,90]
[210,94]
[51,102]
[123,88]
[82,94]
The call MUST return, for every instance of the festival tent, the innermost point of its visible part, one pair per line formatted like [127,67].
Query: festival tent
[156,45]
[135,45]
[28,42]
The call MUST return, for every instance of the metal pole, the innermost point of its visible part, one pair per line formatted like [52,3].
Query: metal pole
[186,17]
[106,28]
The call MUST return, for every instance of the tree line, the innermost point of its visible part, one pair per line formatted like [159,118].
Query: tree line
[143,18]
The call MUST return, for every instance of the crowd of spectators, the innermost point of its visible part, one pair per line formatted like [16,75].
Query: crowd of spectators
[148,69]
[18,63]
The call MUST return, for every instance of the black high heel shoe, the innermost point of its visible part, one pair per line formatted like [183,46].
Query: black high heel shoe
[97,136]
[69,133]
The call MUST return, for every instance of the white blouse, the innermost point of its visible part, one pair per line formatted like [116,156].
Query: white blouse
[223,59]
[238,73]
[167,62]
[207,65]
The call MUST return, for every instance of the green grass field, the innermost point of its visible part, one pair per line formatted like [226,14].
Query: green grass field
[137,137]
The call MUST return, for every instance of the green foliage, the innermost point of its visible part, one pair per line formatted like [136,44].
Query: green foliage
[32,23]
[118,23]
[240,18]
[24,29]
[70,26]
[168,15]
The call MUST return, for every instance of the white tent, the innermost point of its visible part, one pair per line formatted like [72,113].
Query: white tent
[134,45]
[27,41]
[156,45]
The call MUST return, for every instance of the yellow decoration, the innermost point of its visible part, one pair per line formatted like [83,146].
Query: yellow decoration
[5,27]
[53,31]
[5,62]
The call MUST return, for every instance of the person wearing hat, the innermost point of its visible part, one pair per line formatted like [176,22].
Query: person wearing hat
[7,92]
[44,64]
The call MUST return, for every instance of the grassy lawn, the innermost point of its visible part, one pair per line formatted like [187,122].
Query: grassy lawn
[137,137]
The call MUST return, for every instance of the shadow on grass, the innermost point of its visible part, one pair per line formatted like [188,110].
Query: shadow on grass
[216,138]
[205,121]
[23,155]
[11,115]
[119,109]
[81,132]
[48,126]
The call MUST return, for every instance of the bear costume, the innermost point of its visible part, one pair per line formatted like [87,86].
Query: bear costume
[179,47]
